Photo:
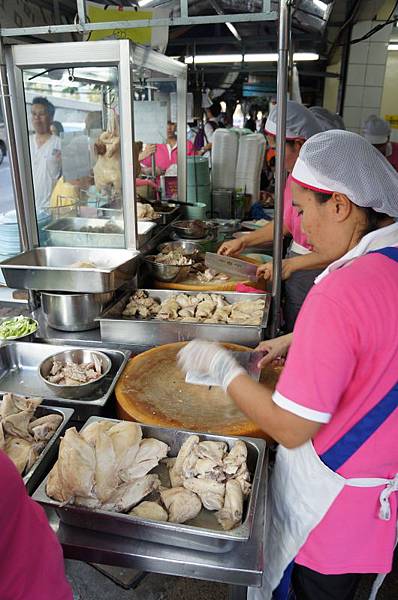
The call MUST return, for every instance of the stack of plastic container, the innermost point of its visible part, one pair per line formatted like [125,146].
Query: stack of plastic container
[198,180]
[224,155]
[249,164]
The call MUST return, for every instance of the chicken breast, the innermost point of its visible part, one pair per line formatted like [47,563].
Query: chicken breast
[106,476]
[18,450]
[149,454]
[231,514]
[44,428]
[129,494]
[76,465]
[182,504]
[150,510]
[89,433]
[126,437]
[176,474]
[210,492]
[236,457]
[213,450]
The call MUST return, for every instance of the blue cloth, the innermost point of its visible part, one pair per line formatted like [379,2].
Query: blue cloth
[351,441]
[257,212]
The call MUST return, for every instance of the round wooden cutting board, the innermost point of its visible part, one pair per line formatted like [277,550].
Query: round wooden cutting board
[152,390]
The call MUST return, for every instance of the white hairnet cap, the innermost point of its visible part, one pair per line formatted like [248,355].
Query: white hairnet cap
[300,122]
[341,161]
[376,130]
[327,119]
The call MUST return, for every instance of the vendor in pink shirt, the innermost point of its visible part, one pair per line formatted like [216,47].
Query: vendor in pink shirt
[332,511]
[377,132]
[165,154]
[31,561]
[301,266]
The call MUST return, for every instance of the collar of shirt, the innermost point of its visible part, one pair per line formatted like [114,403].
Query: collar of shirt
[386,236]
[171,148]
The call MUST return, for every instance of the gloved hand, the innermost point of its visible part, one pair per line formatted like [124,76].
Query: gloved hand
[211,359]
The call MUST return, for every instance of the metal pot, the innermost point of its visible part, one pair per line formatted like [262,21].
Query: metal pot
[74,312]
[168,273]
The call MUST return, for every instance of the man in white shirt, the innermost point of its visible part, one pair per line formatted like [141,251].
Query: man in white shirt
[45,152]
[212,123]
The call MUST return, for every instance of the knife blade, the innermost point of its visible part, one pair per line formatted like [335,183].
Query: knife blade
[232,266]
[248,360]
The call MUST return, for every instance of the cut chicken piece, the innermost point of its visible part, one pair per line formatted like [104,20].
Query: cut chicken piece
[76,465]
[176,476]
[18,450]
[211,493]
[182,505]
[36,448]
[183,300]
[106,477]
[126,437]
[129,494]
[90,433]
[205,309]
[189,466]
[149,454]
[219,301]
[44,428]
[17,424]
[168,309]
[54,487]
[189,311]
[150,510]
[90,502]
[206,468]
[231,514]
[13,404]
[243,478]
[213,450]
[236,457]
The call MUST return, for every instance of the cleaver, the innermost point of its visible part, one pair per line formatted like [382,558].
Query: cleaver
[232,266]
[248,360]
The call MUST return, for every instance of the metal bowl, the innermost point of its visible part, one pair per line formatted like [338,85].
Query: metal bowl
[190,229]
[78,356]
[74,312]
[186,246]
[28,337]
[168,273]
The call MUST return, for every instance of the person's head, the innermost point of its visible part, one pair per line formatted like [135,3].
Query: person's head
[326,119]
[377,132]
[171,129]
[56,128]
[214,111]
[42,114]
[343,188]
[93,120]
[301,124]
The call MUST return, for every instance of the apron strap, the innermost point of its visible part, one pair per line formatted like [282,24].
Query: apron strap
[351,441]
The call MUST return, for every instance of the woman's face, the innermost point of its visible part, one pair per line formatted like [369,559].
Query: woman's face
[292,150]
[332,227]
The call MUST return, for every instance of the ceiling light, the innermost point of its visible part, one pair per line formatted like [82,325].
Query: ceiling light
[392,46]
[234,31]
[142,3]
[247,58]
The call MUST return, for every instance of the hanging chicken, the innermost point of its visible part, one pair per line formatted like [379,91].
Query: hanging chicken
[107,169]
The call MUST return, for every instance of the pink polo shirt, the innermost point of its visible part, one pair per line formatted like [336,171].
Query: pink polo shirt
[291,218]
[31,561]
[342,362]
[165,156]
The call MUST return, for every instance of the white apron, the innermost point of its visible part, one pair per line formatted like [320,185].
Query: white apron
[302,490]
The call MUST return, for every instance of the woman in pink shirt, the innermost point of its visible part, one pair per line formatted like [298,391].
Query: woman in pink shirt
[334,413]
[165,154]
[31,561]
[301,266]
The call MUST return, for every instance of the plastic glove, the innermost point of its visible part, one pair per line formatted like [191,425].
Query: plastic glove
[276,350]
[212,359]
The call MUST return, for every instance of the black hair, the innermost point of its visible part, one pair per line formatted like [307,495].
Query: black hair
[374,219]
[50,108]
[58,127]
[215,109]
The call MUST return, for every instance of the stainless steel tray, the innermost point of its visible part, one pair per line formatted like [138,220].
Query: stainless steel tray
[206,536]
[19,363]
[49,269]
[152,332]
[36,472]
[66,232]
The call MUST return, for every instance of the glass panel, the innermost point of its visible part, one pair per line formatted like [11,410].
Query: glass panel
[74,139]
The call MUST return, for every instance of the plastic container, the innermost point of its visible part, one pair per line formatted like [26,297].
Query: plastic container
[196,212]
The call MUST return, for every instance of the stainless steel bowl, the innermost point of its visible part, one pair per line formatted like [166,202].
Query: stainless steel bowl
[190,229]
[78,356]
[28,337]
[74,312]
[185,246]
[168,273]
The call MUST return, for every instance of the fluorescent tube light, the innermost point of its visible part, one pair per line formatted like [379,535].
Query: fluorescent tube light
[142,3]
[392,46]
[247,58]
[234,31]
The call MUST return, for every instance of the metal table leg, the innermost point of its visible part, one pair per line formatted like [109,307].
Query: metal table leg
[237,592]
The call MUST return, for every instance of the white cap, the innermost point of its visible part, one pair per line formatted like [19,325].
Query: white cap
[341,161]
[327,119]
[300,122]
[376,130]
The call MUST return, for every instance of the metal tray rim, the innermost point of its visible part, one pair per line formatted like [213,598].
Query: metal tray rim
[244,529]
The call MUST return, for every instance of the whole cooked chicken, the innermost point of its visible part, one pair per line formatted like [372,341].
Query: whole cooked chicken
[230,515]
[107,171]
[210,492]
[150,510]
[182,505]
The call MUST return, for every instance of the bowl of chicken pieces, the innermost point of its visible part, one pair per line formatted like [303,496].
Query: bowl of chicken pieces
[75,373]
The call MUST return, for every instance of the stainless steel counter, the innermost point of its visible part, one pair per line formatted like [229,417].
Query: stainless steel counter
[239,568]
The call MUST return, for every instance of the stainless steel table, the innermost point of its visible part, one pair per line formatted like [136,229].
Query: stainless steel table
[239,568]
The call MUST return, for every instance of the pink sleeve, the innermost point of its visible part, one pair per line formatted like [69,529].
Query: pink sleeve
[146,162]
[190,148]
[321,360]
